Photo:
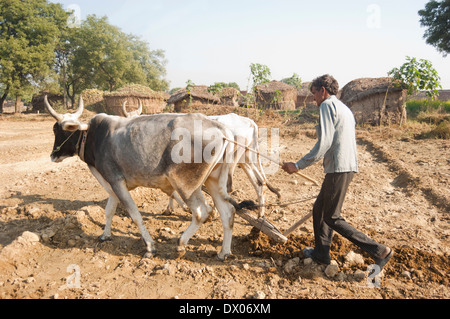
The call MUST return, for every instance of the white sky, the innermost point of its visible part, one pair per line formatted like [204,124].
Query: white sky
[209,41]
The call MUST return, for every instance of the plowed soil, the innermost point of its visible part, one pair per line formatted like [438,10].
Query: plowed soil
[400,198]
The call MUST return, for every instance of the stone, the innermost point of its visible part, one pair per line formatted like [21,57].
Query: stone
[30,237]
[291,264]
[332,269]
[359,275]
[352,258]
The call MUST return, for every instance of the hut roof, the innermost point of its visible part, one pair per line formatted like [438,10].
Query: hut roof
[198,91]
[364,87]
[229,92]
[305,89]
[136,90]
[273,86]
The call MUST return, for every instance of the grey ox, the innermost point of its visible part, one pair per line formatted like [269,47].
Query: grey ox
[125,153]
[245,131]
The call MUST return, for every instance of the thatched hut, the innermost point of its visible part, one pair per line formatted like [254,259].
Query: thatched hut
[152,101]
[304,96]
[229,96]
[375,101]
[197,95]
[276,95]
[37,101]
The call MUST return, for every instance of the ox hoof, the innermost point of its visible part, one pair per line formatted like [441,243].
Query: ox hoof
[223,257]
[104,238]
[167,212]
[150,254]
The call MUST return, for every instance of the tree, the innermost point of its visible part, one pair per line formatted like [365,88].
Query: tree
[260,74]
[294,80]
[29,32]
[100,55]
[436,18]
[417,75]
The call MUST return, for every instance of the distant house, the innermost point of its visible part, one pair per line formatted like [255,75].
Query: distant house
[443,95]
[229,96]
[276,95]
[37,101]
[152,101]
[197,95]
[304,96]
[375,101]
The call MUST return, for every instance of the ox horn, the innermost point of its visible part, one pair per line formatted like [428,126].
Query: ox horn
[124,109]
[80,108]
[52,112]
[139,110]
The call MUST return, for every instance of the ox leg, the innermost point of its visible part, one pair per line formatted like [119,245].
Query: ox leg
[257,181]
[111,205]
[200,212]
[226,210]
[124,196]
[170,207]
[110,210]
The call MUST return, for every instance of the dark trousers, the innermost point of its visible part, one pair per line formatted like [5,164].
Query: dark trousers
[327,218]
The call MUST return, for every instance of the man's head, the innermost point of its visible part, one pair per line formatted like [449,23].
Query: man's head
[323,87]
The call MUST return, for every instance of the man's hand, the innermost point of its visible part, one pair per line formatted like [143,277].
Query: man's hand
[289,168]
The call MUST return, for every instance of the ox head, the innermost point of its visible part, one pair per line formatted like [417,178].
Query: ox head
[67,132]
[133,113]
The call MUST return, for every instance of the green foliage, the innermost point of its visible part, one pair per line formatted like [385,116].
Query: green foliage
[294,80]
[260,74]
[100,55]
[29,33]
[38,50]
[218,86]
[436,18]
[417,75]
[414,107]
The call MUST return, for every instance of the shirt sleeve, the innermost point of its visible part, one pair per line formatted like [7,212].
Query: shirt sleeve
[325,134]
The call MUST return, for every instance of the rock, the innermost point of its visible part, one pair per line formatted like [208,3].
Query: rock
[332,269]
[30,237]
[359,275]
[351,258]
[307,261]
[257,295]
[406,274]
[289,266]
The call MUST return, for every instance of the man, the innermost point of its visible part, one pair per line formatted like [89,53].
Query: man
[337,147]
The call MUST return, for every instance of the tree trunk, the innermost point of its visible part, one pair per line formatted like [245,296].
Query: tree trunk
[3,99]
[18,104]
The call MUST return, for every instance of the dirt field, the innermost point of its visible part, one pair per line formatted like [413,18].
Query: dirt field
[400,198]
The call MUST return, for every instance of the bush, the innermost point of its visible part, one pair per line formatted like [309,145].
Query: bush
[415,107]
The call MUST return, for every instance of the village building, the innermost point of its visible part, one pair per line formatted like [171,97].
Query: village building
[375,101]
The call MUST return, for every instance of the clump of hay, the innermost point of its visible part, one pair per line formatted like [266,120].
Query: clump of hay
[153,101]
[375,101]
[276,95]
[229,96]
[198,95]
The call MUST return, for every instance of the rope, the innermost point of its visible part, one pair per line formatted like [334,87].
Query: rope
[270,159]
[251,204]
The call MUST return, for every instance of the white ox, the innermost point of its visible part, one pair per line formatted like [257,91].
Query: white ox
[245,132]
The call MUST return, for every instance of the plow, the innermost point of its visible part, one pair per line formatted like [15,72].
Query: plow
[262,223]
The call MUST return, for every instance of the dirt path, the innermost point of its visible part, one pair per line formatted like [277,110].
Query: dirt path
[400,198]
